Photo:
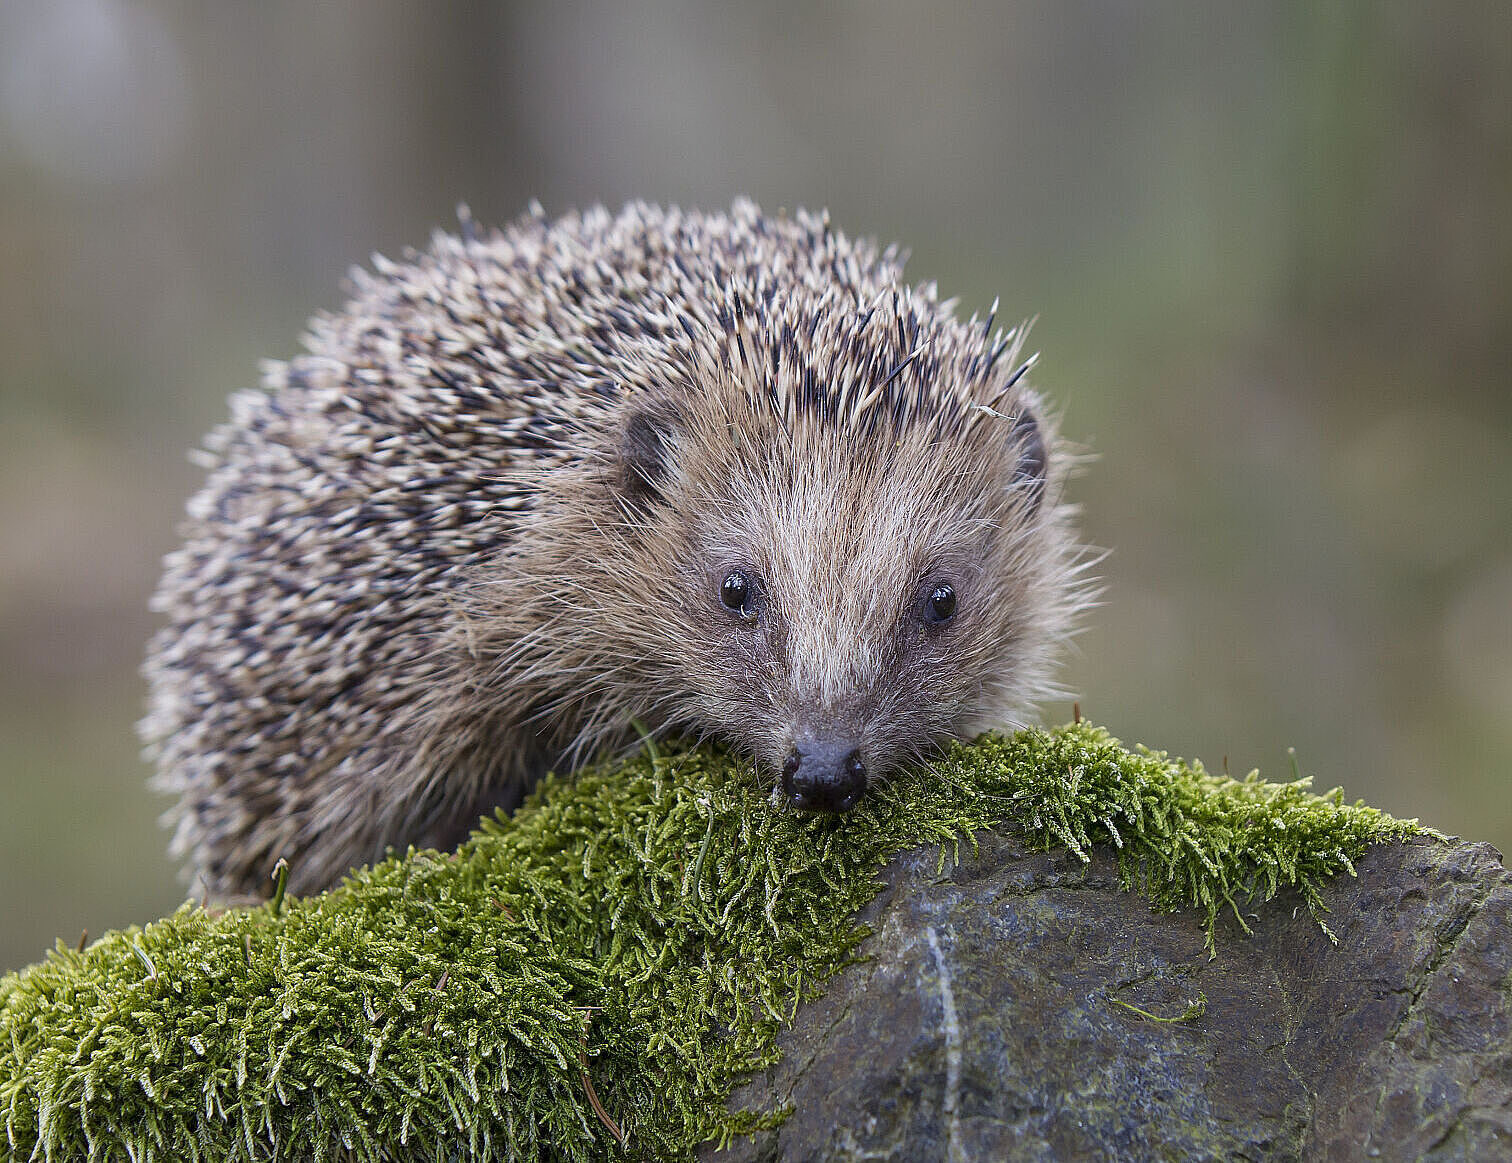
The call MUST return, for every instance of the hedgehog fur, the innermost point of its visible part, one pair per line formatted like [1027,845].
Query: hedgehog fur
[722,474]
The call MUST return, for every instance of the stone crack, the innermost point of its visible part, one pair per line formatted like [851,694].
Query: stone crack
[952,1026]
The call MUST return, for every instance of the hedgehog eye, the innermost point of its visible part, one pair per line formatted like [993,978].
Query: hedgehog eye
[738,593]
[941,606]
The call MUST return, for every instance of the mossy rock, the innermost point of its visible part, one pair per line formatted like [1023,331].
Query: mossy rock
[593,976]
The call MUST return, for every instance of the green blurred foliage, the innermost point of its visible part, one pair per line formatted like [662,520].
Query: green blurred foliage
[1270,249]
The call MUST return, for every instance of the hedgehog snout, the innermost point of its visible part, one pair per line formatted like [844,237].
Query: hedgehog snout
[824,775]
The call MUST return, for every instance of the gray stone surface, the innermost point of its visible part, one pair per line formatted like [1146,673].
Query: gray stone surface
[984,1026]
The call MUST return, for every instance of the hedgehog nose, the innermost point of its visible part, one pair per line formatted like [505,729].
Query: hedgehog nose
[824,777]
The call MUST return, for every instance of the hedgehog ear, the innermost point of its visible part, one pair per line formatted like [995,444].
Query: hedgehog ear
[1029,441]
[646,448]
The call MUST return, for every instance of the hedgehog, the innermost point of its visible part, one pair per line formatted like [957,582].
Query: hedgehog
[537,492]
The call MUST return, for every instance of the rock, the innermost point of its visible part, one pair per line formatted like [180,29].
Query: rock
[985,1023]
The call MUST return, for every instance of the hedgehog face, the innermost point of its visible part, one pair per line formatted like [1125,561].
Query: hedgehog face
[848,614]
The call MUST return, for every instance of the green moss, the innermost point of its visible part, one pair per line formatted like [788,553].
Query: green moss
[631,939]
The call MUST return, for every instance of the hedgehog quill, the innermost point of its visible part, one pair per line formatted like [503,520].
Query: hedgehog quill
[724,474]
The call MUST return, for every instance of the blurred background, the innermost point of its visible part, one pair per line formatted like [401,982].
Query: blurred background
[1270,250]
